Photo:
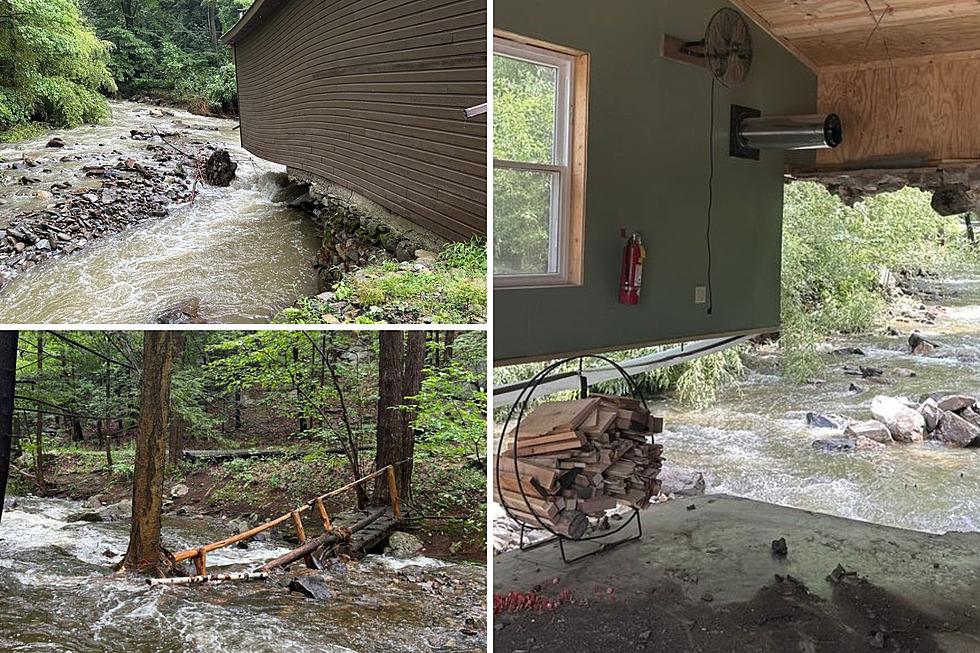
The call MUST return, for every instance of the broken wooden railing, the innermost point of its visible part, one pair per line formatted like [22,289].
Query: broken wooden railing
[330,534]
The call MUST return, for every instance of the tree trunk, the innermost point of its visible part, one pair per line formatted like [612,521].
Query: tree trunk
[238,410]
[391,383]
[970,234]
[213,27]
[129,14]
[8,373]
[39,423]
[450,338]
[144,553]
[414,367]
[108,417]
[178,425]
[302,418]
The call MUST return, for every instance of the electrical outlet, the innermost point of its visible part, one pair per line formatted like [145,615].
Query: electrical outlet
[700,295]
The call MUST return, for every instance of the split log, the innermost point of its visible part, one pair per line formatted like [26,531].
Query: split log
[333,537]
[578,459]
[210,578]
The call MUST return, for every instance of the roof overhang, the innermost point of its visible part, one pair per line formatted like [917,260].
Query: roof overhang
[259,11]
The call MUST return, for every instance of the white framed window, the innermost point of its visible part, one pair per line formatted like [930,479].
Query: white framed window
[540,95]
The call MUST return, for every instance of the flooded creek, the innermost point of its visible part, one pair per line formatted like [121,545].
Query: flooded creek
[241,256]
[57,594]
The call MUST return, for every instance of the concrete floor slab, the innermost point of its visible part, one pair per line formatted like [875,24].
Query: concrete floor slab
[710,558]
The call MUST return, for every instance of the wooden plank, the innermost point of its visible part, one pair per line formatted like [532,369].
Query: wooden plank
[557,415]
[747,7]
[926,108]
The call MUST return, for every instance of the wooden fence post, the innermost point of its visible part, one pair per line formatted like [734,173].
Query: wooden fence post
[301,534]
[201,562]
[393,493]
[324,517]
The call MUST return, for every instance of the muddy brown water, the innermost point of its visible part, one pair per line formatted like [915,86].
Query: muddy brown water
[755,441]
[242,256]
[56,595]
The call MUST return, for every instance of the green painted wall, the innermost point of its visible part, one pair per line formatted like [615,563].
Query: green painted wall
[648,172]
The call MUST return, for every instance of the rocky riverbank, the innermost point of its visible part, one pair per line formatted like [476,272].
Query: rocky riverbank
[98,195]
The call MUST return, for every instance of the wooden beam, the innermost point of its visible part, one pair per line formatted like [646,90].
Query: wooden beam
[745,7]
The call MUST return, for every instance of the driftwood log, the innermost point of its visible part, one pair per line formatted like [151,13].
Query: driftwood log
[210,578]
[331,537]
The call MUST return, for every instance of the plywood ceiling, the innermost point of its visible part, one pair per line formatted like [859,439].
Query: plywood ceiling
[845,32]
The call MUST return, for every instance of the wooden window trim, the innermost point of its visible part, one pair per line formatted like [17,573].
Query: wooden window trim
[571,259]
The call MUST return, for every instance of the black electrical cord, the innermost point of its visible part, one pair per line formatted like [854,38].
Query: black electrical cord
[711,187]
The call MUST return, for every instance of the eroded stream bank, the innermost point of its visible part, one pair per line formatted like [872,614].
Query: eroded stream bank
[54,596]
[239,255]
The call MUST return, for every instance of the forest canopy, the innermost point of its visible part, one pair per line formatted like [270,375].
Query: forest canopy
[59,59]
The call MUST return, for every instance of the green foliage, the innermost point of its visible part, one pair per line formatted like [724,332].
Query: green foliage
[55,66]
[21,132]
[164,49]
[523,130]
[833,256]
[695,383]
[451,408]
[453,291]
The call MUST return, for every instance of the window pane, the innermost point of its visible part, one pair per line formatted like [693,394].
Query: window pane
[524,110]
[524,218]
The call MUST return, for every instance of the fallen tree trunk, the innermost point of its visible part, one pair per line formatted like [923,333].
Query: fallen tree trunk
[210,578]
[222,455]
[332,537]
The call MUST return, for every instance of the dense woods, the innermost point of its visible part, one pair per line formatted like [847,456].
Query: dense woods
[60,59]
[112,414]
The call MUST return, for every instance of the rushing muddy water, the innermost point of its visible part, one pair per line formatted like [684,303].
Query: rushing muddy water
[55,595]
[756,443]
[240,255]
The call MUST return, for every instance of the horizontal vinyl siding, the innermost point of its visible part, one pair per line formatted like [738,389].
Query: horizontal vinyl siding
[371,95]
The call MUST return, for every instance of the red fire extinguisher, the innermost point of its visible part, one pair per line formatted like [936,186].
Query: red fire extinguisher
[631,276]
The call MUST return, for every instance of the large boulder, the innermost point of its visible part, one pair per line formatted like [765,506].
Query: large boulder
[872,430]
[905,424]
[955,430]
[403,545]
[956,403]
[932,413]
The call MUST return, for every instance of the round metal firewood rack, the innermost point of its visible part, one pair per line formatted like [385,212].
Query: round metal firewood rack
[516,414]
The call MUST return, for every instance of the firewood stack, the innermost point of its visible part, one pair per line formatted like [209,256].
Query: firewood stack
[577,459]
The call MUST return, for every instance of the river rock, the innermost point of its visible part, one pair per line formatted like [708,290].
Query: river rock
[834,444]
[956,403]
[904,423]
[188,312]
[403,545]
[9,503]
[219,169]
[955,430]
[44,195]
[971,416]
[819,421]
[904,372]
[932,414]
[56,142]
[312,586]
[681,482]
[179,490]
[871,429]
[117,511]
[93,502]
[849,351]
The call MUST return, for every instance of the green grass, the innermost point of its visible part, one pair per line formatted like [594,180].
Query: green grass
[452,291]
[22,132]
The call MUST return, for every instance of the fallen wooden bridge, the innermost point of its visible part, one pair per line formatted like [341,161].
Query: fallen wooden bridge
[358,531]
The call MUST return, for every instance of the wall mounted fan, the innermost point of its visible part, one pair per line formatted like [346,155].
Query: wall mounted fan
[726,48]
